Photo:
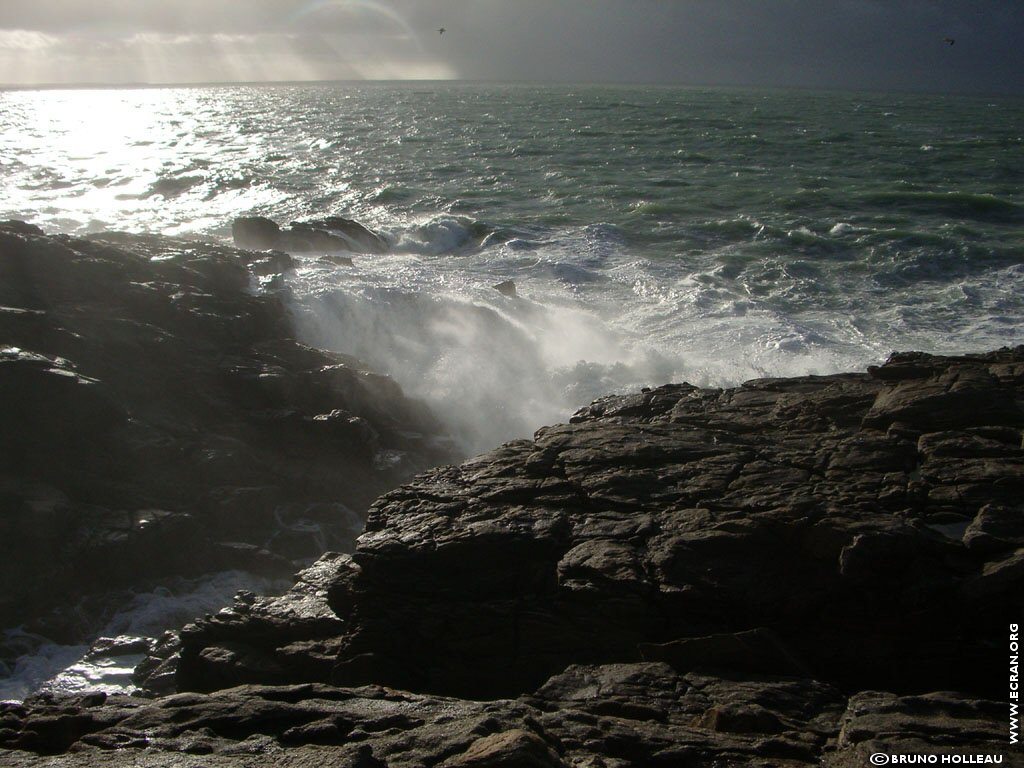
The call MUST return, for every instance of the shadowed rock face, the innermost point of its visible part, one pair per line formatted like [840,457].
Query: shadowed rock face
[159,418]
[871,522]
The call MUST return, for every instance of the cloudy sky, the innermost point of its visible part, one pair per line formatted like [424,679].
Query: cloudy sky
[863,44]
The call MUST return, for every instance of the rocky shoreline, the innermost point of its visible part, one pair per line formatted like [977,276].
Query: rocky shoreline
[792,572]
[161,419]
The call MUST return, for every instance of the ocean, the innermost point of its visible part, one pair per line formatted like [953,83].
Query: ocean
[653,233]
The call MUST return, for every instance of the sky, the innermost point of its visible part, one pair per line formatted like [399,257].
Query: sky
[846,44]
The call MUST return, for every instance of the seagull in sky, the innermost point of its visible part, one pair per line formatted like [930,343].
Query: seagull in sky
[441,31]
[949,40]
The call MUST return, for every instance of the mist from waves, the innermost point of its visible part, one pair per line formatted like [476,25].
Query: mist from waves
[491,367]
[590,318]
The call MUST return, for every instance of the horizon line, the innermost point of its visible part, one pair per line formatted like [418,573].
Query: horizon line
[143,85]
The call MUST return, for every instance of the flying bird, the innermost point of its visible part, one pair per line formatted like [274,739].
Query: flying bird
[441,31]
[949,40]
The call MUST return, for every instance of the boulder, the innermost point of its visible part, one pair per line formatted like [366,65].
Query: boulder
[506,288]
[256,232]
[357,238]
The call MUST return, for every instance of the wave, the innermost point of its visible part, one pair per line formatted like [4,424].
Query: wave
[444,235]
[962,204]
[492,367]
[172,186]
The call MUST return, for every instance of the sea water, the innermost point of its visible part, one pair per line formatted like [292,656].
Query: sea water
[653,234]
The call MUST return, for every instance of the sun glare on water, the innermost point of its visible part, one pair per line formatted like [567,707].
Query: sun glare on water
[127,159]
[92,126]
[92,149]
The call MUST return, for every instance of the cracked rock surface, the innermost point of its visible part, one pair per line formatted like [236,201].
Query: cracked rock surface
[867,526]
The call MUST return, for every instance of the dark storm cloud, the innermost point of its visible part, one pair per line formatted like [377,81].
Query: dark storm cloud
[823,43]
[866,44]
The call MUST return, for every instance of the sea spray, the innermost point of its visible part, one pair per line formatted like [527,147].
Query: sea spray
[492,367]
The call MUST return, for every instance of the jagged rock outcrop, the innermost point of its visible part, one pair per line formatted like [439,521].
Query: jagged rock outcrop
[869,524]
[159,418]
[330,235]
[688,575]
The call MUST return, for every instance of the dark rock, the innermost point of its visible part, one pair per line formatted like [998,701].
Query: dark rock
[932,724]
[20,228]
[256,232]
[759,651]
[336,260]
[663,519]
[354,235]
[368,726]
[293,638]
[122,645]
[790,573]
[506,288]
[329,235]
[160,419]
[517,748]
[157,674]
[611,715]
[996,528]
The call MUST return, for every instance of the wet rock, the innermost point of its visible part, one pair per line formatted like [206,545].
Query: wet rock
[161,419]
[506,288]
[356,237]
[291,638]
[330,235]
[256,232]
[336,260]
[20,227]
[122,645]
